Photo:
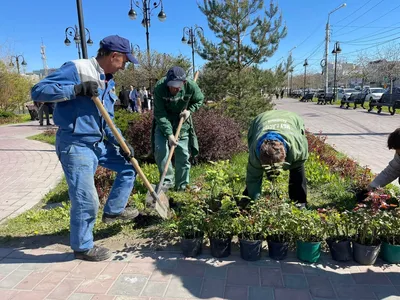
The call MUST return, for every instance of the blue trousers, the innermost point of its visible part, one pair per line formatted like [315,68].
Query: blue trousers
[79,163]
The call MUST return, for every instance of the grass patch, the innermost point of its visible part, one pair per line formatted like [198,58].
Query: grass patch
[15,119]
[44,137]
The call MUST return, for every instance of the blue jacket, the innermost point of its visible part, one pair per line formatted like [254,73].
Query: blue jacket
[78,118]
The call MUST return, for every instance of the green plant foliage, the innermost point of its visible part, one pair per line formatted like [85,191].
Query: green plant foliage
[123,118]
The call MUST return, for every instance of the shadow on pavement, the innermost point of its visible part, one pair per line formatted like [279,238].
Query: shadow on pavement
[232,278]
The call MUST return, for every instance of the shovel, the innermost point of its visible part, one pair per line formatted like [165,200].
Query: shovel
[160,199]
[172,149]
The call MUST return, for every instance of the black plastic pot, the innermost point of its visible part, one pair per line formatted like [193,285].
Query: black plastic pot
[192,247]
[340,249]
[250,250]
[277,250]
[220,247]
[365,255]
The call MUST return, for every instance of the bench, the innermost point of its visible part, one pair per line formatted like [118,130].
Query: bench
[355,99]
[307,97]
[322,99]
[33,111]
[390,101]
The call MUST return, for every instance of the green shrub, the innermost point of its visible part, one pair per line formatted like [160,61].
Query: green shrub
[122,118]
[6,114]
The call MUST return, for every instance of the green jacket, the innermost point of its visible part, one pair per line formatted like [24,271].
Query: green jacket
[167,109]
[291,127]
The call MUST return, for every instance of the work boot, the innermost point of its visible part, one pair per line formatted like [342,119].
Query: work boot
[97,253]
[301,206]
[128,214]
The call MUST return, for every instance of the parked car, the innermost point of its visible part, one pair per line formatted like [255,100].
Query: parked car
[374,94]
[344,94]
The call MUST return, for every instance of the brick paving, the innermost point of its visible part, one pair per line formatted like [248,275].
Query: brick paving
[29,169]
[46,274]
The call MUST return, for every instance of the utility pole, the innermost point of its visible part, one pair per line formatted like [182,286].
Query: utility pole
[327,48]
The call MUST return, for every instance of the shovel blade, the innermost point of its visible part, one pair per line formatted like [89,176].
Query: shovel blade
[160,203]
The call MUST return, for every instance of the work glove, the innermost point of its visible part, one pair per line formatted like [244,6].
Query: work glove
[185,114]
[88,88]
[126,155]
[244,201]
[172,141]
[361,195]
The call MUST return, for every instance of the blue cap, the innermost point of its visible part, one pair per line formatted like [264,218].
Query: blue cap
[118,44]
[176,77]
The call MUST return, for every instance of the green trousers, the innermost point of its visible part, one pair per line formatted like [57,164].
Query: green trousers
[182,164]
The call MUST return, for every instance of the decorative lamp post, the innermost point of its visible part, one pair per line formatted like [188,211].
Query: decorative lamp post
[336,50]
[146,10]
[73,32]
[16,58]
[305,75]
[289,54]
[190,33]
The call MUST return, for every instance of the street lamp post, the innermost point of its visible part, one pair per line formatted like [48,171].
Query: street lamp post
[16,57]
[336,50]
[305,75]
[74,32]
[190,32]
[146,12]
[327,47]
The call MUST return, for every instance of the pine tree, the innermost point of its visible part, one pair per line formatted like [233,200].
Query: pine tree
[249,33]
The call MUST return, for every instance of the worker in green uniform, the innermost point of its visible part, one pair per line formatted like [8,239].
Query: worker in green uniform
[175,97]
[277,136]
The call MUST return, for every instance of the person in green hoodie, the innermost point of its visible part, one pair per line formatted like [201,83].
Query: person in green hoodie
[277,137]
[175,97]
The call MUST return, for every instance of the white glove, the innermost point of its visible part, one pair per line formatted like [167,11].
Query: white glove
[185,114]
[172,141]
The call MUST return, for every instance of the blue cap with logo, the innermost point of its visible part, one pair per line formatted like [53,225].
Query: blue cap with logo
[176,77]
[118,44]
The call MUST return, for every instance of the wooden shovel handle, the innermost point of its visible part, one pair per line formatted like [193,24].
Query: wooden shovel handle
[122,143]
[172,149]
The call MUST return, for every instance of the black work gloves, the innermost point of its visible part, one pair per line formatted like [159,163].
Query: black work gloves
[126,155]
[88,88]
[361,195]
[245,200]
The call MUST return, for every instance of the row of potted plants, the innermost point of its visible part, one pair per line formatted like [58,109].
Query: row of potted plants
[350,234]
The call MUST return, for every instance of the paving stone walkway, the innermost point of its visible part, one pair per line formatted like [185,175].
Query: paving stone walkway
[28,169]
[46,274]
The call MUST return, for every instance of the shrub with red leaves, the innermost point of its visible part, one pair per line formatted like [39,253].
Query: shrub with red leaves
[344,166]
[219,136]
[103,180]
[139,134]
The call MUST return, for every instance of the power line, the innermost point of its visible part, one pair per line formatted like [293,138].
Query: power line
[369,22]
[376,44]
[363,43]
[371,35]
[314,31]
[361,15]
[355,11]
[367,26]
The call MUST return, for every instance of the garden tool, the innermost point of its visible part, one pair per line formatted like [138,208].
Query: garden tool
[172,149]
[160,199]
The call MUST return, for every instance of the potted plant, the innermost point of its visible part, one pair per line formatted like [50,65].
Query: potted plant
[367,218]
[219,226]
[190,222]
[250,232]
[308,230]
[390,222]
[337,228]
[277,223]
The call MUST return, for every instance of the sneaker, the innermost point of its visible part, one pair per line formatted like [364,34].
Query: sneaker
[97,253]
[128,214]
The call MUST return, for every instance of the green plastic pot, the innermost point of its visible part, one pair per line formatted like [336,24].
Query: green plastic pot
[308,251]
[390,253]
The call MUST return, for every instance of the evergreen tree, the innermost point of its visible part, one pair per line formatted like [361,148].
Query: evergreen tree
[249,33]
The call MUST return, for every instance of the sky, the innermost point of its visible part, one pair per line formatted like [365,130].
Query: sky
[362,25]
